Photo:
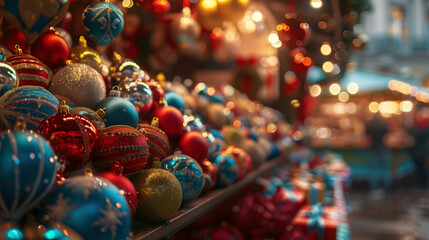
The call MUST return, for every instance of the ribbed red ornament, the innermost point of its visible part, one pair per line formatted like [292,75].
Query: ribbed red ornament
[51,49]
[170,120]
[30,70]
[195,145]
[241,158]
[159,146]
[123,144]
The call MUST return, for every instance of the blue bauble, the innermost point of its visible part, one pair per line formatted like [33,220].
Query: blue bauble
[175,100]
[117,111]
[102,22]
[33,103]
[28,169]
[217,98]
[227,169]
[188,172]
[192,123]
[92,206]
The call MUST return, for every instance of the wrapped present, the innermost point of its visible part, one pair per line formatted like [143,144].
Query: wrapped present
[314,190]
[324,220]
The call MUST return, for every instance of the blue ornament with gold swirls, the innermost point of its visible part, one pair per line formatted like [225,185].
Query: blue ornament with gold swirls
[91,206]
[188,172]
[227,169]
[102,22]
[28,169]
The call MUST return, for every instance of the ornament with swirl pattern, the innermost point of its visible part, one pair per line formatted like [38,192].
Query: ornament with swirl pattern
[103,22]
[188,172]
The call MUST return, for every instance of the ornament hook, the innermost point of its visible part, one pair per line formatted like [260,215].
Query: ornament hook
[20,124]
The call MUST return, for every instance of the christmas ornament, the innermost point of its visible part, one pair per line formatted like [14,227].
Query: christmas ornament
[192,123]
[13,37]
[157,93]
[233,136]
[4,53]
[80,83]
[189,174]
[138,93]
[293,32]
[125,186]
[242,160]
[34,17]
[159,193]
[215,115]
[92,206]
[122,69]
[59,232]
[91,115]
[65,35]
[71,136]
[258,154]
[120,143]
[184,29]
[210,170]
[51,49]
[170,120]
[103,22]
[81,53]
[8,75]
[213,145]
[175,100]
[160,6]
[227,170]
[30,70]
[27,171]
[159,146]
[195,145]
[115,110]
[32,103]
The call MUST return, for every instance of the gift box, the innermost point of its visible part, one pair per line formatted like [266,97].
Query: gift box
[314,190]
[324,220]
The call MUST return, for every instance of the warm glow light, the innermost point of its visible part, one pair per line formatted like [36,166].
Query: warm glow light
[323,132]
[273,37]
[343,96]
[351,66]
[406,106]
[277,44]
[209,4]
[127,3]
[389,107]
[373,107]
[328,66]
[257,16]
[335,89]
[295,103]
[243,2]
[326,49]
[315,90]
[307,61]
[228,90]
[316,3]
[351,108]
[223,1]
[299,57]
[353,88]
[211,91]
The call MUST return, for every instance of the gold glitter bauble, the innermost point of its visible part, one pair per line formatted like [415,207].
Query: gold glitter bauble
[80,83]
[159,193]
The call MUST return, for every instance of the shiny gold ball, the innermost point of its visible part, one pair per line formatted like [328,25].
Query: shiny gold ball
[83,54]
[159,193]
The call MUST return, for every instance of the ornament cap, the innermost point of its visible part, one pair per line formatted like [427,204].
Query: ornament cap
[156,163]
[63,108]
[115,92]
[101,112]
[20,124]
[117,168]
[88,172]
[162,102]
[155,122]
[82,41]
[117,58]
[18,49]
[69,62]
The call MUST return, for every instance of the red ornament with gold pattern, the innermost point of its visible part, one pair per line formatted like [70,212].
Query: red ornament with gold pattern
[242,160]
[120,143]
[30,70]
[71,136]
[159,146]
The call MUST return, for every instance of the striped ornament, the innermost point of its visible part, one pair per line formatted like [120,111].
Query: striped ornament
[28,169]
[120,143]
[32,103]
[159,146]
[30,70]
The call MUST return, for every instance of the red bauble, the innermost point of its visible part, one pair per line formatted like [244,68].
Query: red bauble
[293,32]
[123,144]
[170,121]
[160,6]
[30,70]
[157,93]
[210,170]
[195,145]
[71,136]
[51,49]
[13,37]
[227,233]
[125,186]
[159,146]
[241,158]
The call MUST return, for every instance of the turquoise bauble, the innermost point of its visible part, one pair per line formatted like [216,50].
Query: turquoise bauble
[188,172]
[91,206]
[175,100]
[227,170]
[32,103]
[28,169]
[102,22]
[115,110]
